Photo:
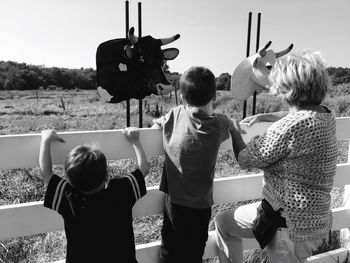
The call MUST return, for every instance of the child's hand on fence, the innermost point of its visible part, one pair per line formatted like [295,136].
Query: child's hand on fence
[132,134]
[49,136]
[45,162]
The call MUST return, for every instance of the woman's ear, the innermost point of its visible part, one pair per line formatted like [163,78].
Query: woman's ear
[170,53]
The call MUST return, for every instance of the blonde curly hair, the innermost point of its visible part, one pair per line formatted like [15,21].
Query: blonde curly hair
[300,78]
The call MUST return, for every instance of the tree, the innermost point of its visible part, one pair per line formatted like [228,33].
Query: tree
[20,76]
[223,82]
[339,75]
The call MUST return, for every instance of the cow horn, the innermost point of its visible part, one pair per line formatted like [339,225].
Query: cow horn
[283,52]
[168,40]
[262,51]
[133,39]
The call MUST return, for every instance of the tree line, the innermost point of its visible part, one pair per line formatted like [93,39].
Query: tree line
[22,76]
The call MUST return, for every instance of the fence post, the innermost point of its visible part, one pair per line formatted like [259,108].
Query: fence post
[140,35]
[345,233]
[247,55]
[256,50]
[126,36]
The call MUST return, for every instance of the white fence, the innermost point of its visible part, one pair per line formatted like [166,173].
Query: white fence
[21,151]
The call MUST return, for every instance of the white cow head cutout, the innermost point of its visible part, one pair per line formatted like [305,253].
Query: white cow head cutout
[252,74]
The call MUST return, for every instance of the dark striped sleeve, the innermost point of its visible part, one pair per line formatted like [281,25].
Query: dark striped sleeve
[54,197]
[137,184]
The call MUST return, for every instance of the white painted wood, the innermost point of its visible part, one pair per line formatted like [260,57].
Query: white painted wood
[341,218]
[21,151]
[342,174]
[152,203]
[149,253]
[32,218]
[27,219]
[343,128]
[237,188]
[338,255]
[345,233]
[348,151]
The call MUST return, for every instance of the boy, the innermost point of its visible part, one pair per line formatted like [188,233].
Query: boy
[97,218]
[192,135]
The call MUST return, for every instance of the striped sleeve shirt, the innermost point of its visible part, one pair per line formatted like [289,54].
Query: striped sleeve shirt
[131,186]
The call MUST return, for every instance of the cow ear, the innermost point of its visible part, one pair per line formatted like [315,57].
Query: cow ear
[170,53]
[128,51]
[255,62]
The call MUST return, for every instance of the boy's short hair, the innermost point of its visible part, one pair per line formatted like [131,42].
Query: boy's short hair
[197,86]
[86,168]
[300,78]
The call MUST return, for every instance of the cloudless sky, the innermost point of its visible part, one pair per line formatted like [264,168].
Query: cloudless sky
[66,33]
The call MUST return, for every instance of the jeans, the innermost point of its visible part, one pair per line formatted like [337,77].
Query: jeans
[234,224]
[184,233]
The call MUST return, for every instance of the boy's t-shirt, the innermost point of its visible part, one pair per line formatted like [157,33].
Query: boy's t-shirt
[98,227]
[191,140]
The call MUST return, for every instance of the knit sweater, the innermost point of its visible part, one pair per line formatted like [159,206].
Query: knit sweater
[298,155]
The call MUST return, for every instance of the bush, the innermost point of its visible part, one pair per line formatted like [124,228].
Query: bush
[52,87]
[340,105]
[339,90]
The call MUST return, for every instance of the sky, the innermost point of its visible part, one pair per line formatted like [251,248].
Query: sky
[66,33]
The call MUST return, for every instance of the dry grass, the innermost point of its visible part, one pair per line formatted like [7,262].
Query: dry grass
[33,111]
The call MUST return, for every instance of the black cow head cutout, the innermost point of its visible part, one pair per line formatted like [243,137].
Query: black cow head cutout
[132,67]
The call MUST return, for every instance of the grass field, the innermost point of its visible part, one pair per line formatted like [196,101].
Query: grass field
[24,112]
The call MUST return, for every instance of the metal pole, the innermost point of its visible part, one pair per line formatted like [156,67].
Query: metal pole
[126,35]
[256,50]
[247,55]
[140,34]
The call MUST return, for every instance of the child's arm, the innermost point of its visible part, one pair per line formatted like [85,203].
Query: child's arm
[268,117]
[133,136]
[237,141]
[45,162]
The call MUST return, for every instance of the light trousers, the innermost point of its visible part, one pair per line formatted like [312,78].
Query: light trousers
[234,224]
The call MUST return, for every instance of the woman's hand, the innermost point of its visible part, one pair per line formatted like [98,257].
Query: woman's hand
[264,117]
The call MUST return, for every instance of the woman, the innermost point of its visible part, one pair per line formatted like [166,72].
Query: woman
[298,155]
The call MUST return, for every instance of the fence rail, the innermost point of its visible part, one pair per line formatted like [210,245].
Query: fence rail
[21,151]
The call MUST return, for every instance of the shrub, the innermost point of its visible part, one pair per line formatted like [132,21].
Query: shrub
[339,90]
[341,105]
[52,87]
